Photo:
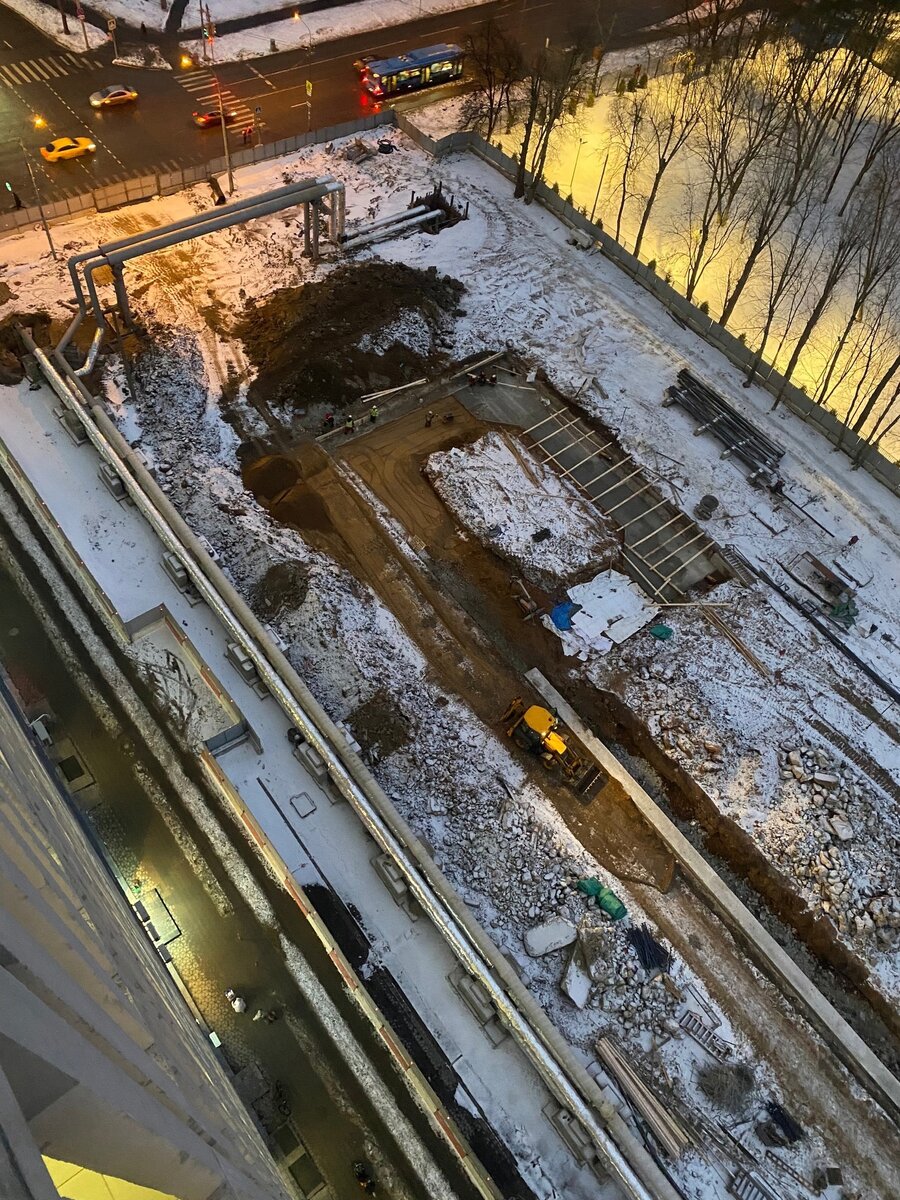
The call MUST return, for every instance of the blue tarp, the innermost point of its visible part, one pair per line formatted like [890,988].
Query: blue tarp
[561,614]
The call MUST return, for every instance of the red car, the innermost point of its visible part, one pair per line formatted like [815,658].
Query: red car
[214,117]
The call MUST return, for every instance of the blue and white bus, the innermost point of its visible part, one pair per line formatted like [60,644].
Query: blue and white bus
[384,77]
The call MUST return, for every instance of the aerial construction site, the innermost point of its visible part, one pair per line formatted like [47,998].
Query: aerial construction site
[581,732]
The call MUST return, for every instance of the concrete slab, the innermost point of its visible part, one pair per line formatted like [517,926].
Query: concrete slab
[553,935]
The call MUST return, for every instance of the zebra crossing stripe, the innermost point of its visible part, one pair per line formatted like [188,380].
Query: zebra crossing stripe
[52,67]
[18,74]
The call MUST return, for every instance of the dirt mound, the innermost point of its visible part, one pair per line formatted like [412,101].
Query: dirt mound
[270,476]
[365,326]
[11,348]
[282,589]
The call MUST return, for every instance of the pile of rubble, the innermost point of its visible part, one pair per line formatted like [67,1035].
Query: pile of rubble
[827,825]
[817,818]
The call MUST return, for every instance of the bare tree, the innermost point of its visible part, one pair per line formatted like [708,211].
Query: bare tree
[790,266]
[554,86]
[737,119]
[861,345]
[876,263]
[886,133]
[873,398]
[872,96]
[843,248]
[670,116]
[709,27]
[495,63]
[627,135]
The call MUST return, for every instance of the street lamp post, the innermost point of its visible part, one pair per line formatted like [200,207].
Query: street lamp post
[581,142]
[37,196]
[225,136]
[599,186]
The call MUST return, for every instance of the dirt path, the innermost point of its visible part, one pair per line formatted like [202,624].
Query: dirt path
[817,1089]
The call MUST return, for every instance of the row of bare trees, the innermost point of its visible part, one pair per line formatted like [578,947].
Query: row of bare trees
[764,158]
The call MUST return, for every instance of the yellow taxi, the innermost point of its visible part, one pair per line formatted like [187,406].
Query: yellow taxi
[66,147]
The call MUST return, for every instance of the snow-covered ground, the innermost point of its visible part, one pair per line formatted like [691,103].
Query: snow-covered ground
[505,496]
[46,17]
[304,30]
[577,317]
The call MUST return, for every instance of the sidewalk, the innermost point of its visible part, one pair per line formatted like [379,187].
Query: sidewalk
[123,556]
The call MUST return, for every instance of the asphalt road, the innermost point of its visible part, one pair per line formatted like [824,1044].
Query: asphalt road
[39,79]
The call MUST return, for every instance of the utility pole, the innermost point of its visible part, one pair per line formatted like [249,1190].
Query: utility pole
[210,25]
[203,32]
[37,196]
[224,136]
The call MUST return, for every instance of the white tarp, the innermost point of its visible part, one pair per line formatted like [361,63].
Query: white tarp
[612,609]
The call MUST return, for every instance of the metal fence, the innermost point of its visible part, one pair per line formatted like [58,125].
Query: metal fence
[165,183]
[736,351]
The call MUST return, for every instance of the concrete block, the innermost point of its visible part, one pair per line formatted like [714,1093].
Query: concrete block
[572,1132]
[112,481]
[390,875]
[553,935]
[71,425]
[312,760]
[176,570]
[577,982]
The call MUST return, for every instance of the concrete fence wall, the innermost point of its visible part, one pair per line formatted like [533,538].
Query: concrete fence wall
[736,351]
[166,183]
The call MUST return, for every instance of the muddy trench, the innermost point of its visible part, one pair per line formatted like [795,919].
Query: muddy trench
[467,605]
[808,937]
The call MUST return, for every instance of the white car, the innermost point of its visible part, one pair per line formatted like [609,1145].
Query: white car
[116,93]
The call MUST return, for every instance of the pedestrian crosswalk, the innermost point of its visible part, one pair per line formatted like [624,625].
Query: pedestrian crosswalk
[204,91]
[43,70]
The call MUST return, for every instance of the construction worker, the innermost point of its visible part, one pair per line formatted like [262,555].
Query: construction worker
[328,421]
[429,417]
[348,424]
[373,413]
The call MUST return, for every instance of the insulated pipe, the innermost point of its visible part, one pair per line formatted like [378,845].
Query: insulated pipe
[96,342]
[542,1044]
[388,220]
[403,227]
[184,223]
[213,223]
[194,227]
